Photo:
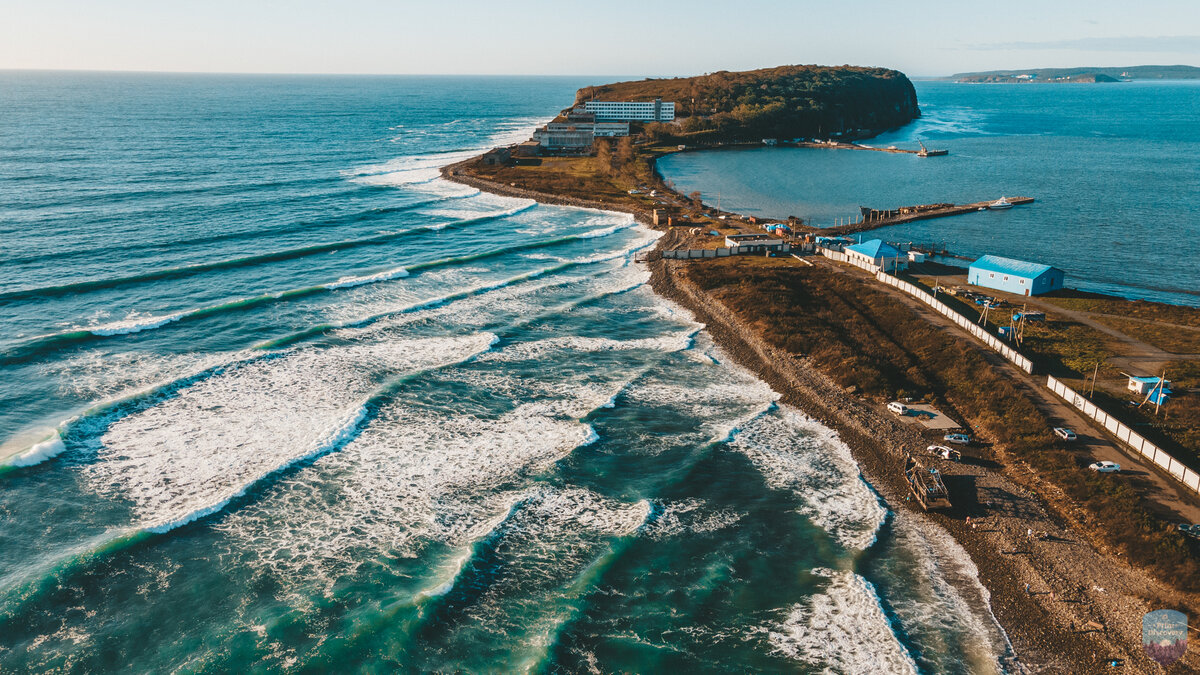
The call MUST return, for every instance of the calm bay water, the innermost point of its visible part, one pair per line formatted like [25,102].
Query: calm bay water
[1113,168]
[274,396]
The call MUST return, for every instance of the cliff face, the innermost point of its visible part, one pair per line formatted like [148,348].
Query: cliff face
[784,102]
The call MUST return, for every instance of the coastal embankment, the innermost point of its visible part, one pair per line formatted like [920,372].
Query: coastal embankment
[1065,605]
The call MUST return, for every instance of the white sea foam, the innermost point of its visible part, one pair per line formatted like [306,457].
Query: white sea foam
[941,598]
[425,168]
[604,232]
[843,629]
[412,475]
[554,546]
[351,282]
[38,453]
[466,216]
[189,455]
[136,324]
[541,348]
[688,516]
[795,453]
[721,399]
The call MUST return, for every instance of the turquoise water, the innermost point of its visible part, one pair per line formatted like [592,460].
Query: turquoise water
[275,397]
[1114,171]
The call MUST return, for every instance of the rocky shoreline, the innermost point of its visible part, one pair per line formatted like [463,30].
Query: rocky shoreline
[1064,606]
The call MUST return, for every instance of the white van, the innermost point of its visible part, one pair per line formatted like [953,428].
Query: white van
[898,408]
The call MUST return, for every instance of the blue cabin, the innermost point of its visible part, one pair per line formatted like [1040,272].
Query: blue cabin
[1014,276]
[878,253]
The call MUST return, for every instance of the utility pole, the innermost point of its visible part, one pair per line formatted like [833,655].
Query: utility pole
[1095,371]
[1161,383]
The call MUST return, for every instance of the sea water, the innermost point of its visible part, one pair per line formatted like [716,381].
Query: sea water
[275,396]
[1113,169]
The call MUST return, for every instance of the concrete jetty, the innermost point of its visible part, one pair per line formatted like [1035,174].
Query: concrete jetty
[908,214]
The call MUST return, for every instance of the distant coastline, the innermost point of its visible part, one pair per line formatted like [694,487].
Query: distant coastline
[1084,74]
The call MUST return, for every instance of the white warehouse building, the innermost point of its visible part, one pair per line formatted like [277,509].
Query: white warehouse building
[635,111]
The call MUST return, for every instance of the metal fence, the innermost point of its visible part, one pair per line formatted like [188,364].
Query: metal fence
[1129,437]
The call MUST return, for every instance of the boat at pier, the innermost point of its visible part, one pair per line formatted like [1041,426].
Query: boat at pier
[1000,204]
[926,152]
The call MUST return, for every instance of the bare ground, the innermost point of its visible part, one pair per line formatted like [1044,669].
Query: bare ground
[1083,606]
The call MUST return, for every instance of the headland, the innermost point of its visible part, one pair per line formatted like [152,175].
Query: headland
[1072,558]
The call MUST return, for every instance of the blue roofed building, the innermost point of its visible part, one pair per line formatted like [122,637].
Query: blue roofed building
[1014,276]
[1145,385]
[878,253]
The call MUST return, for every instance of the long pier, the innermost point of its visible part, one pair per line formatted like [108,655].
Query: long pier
[909,214]
[851,145]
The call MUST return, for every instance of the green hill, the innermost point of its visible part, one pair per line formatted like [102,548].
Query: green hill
[1085,74]
[783,102]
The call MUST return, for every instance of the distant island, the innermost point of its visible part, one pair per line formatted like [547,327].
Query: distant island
[800,101]
[1083,74]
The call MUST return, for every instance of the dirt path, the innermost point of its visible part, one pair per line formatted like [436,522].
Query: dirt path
[1175,499]
[1138,357]
[1066,606]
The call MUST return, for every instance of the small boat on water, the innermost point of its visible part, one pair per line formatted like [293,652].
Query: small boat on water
[1000,204]
[926,152]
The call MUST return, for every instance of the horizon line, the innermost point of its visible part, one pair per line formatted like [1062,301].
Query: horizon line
[360,74]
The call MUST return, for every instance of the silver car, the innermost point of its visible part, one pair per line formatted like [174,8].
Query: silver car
[1064,433]
[1105,467]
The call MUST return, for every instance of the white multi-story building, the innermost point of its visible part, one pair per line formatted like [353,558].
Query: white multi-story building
[631,111]
[610,129]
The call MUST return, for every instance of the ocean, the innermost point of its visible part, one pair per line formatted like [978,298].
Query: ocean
[1113,169]
[276,397]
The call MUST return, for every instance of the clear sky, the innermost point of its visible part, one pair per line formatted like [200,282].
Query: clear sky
[612,37]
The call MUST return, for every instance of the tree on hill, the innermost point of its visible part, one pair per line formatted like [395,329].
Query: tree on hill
[603,150]
[783,102]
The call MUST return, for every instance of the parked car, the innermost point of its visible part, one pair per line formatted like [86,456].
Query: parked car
[1190,529]
[961,439]
[1064,433]
[1105,467]
[898,408]
[945,453]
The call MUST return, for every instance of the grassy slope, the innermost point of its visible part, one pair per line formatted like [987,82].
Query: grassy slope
[1138,309]
[782,102]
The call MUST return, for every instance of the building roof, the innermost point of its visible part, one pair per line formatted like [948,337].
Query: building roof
[1017,268]
[1147,380]
[876,248]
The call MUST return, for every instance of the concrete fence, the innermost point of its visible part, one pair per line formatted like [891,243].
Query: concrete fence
[1129,437]
[842,257]
[691,253]
[963,322]
[1189,478]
